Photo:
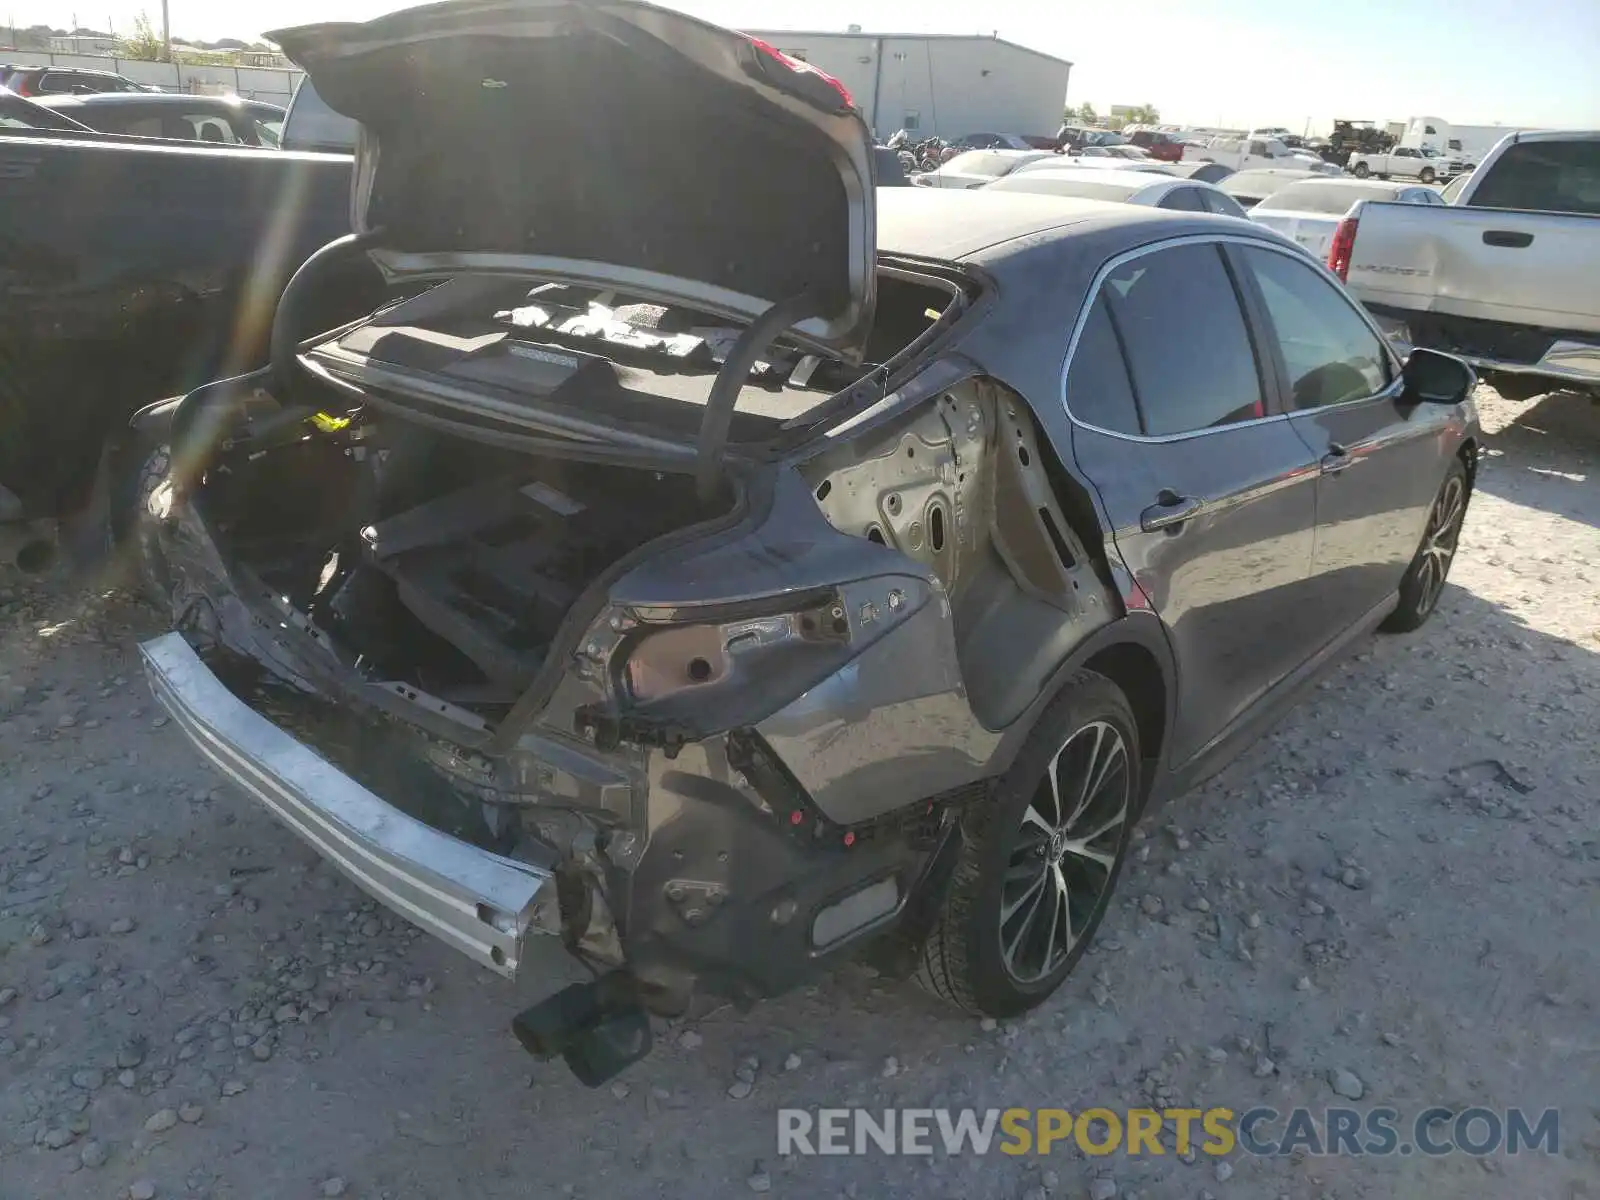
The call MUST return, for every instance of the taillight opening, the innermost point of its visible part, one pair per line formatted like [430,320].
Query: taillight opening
[1344,241]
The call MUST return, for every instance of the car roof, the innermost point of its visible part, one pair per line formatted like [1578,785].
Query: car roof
[1134,180]
[1358,189]
[977,223]
[153,99]
[70,70]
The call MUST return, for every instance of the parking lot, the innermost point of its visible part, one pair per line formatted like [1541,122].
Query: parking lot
[1400,884]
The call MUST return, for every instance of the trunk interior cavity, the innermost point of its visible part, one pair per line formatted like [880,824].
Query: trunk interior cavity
[436,561]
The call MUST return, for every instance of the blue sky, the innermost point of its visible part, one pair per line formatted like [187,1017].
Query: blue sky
[1231,62]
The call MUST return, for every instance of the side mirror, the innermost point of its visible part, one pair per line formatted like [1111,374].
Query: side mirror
[1432,377]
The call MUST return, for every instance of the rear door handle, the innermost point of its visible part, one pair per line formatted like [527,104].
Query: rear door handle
[1510,239]
[1169,509]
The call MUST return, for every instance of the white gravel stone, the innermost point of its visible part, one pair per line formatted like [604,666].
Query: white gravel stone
[1346,1083]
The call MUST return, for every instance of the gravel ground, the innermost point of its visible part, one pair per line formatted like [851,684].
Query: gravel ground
[1400,883]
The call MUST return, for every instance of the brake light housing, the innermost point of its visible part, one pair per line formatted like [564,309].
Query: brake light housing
[800,78]
[1344,241]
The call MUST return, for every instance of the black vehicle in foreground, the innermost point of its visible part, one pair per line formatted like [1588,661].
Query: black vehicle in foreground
[135,270]
[717,573]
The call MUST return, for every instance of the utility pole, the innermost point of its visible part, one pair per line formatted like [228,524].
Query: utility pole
[166,31]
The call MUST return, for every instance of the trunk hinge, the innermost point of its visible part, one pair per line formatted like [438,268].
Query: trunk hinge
[731,379]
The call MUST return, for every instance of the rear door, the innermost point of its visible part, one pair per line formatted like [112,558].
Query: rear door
[1406,161]
[1379,459]
[1210,493]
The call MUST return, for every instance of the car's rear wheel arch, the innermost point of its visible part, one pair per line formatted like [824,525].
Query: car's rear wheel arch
[1134,669]
[1133,653]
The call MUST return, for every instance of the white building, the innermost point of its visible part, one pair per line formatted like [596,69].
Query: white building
[937,85]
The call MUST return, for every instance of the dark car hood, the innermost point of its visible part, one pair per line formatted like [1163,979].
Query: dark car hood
[607,140]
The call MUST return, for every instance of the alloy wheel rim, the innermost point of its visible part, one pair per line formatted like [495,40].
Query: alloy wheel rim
[1065,852]
[1439,542]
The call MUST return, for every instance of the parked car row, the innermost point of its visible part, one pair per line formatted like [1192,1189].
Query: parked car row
[716,600]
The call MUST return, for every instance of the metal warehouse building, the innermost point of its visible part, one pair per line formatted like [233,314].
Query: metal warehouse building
[937,85]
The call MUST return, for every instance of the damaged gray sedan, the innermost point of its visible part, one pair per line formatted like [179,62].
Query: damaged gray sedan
[715,573]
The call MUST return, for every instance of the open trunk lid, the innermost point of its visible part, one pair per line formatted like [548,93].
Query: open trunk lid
[606,140]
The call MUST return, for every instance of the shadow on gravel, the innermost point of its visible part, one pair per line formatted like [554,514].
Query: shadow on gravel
[1554,441]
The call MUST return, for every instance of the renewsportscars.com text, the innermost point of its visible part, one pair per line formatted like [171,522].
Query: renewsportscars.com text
[1353,1132]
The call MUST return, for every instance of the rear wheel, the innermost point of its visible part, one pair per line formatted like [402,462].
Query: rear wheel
[1361,170]
[133,543]
[1424,580]
[1041,858]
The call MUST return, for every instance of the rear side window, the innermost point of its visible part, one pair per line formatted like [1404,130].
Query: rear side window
[1220,203]
[201,128]
[1182,199]
[135,126]
[1331,354]
[1099,392]
[1189,354]
[1543,177]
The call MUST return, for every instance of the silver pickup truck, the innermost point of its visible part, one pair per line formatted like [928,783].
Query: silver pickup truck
[1507,276]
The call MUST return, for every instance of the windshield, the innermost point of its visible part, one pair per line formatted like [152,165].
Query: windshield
[311,125]
[1334,199]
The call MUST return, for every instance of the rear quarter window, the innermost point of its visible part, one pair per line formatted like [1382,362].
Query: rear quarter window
[1099,392]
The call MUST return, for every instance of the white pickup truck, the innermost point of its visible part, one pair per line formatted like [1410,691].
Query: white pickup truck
[1507,275]
[1243,154]
[1408,163]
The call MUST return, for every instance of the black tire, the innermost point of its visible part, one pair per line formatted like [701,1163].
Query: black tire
[137,557]
[965,959]
[1361,170]
[1425,577]
[1427,175]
